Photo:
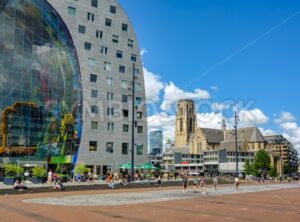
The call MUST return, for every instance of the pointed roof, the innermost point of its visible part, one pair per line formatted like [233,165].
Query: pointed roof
[250,134]
[213,135]
[230,145]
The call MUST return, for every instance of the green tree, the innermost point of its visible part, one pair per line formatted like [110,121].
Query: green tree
[80,168]
[272,172]
[12,170]
[248,167]
[262,161]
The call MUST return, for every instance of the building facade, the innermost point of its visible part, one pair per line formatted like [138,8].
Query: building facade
[66,83]
[156,142]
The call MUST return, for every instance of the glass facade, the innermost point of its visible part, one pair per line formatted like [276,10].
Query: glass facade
[40,88]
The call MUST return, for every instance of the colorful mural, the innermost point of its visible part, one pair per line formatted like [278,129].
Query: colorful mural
[40,83]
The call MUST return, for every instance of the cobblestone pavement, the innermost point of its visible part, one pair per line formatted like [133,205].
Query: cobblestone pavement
[148,197]
[267,203]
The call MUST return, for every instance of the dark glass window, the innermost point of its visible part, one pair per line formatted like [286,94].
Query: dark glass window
[94,93]
[87,45]
[109,147]
[90,17]
[130,43]
[71,11]
[125,128]
[108,22]
[115,38]
[122,69]
[124,27]
[124,148]
[93,78]
[133,57]
[104,50]
[113,9]
[94,125]
[125,112]
[99,34]
[94,3]
[94,109]
[93,146]
[81,29]
[119,54]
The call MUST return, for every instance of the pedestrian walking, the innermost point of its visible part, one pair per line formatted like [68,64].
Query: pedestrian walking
[49,177]
[202,185]
[196,184]
[237,183]
[215,182]
[158,181]
[185,183]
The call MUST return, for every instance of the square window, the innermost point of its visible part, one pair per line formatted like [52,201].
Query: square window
[140,129]
[139,115]
[113,9]
[94,109]
[81,29]
[94,3]
[91,62]
[138,100]
[87,45]
[125,113]
[94,125]
[124,84]
[99,34]
[90,17]
[107,66]
[104,50]
[71,11]
[124,27]
[109,147]
[110,96]
[115,38]
[121,69]
[119,54]
[124,148]
[108,22]
[92,146]
[109,81]
[110,127]
[124,98]
[139,149]
[94,93]
[93,78]
[130,43]
[138,87]
[133,57]
[125,128]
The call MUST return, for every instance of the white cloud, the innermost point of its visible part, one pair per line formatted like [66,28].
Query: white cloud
[267,132]
[172,93]
[250,117]
[284,117]
[291,131]
[209,120]
[143,52]
[153,85]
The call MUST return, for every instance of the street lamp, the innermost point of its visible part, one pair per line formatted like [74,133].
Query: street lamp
[236,119]
[132,122]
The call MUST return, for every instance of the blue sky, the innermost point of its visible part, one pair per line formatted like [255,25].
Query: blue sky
[236,51]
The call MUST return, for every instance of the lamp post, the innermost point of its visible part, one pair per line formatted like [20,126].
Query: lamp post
[236,119]
[132,122]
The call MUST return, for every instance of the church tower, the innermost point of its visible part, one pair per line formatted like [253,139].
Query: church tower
[185,124]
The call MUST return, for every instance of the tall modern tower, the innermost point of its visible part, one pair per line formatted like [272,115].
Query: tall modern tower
[156,142]
[185,122]
[66,73]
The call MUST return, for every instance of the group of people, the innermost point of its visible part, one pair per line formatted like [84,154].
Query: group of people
[19,185]
[53,178]
[198,182]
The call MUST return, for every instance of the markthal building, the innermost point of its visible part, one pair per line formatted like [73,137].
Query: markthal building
[58,59]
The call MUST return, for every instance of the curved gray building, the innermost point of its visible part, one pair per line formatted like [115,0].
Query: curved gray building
[66,71]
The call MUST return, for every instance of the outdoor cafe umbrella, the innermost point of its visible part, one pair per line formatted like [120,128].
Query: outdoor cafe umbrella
[127,166]
[148,166]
